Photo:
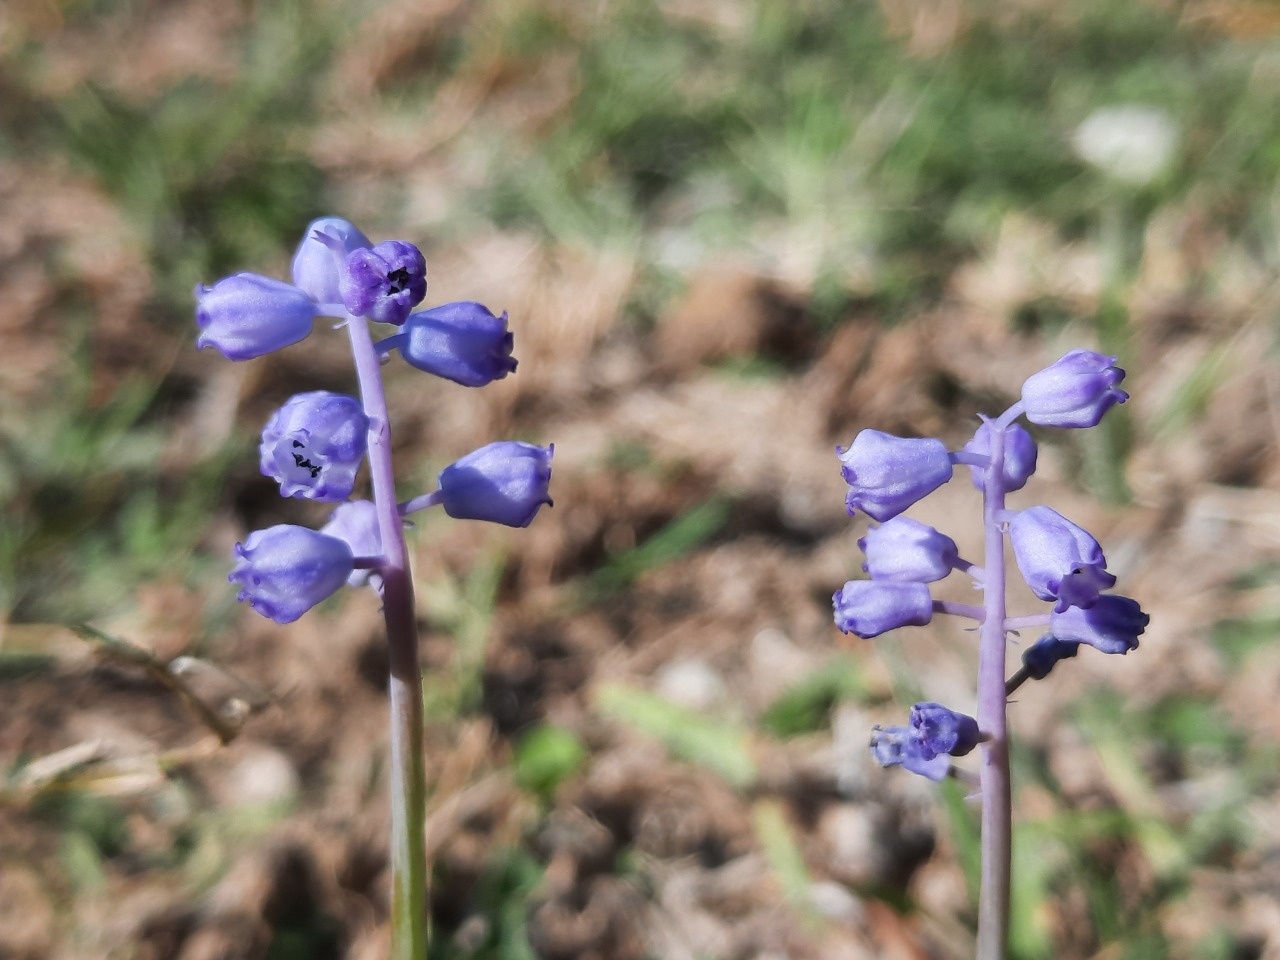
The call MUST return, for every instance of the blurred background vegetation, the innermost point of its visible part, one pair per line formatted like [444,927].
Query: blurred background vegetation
[729,236]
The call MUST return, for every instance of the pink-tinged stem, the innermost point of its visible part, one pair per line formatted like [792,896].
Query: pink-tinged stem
[408,778]
[993,901]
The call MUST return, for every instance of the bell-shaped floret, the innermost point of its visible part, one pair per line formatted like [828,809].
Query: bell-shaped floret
[869,608]
[902,746]
[887,474]
[317,264]
[384,282]
[1111,625]
[1019,456]
[356,523]
[463,342]
[944,731]
[1073,392]
[314,444]
[504,482]
[906,550]
[1041,657]
[1059,560]
[286,570]
[247,315]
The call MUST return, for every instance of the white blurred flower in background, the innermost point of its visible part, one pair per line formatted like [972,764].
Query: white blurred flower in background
[1133,143]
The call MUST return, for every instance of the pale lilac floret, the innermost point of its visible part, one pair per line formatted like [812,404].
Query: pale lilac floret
[1073,392]
[247,315]
[504,482]
[1111,625]
[463,342]
[318,260]
[384,283]
[1019,456]
[1059,560]
[941,730]
[902,746]
[285,570]
[356,523]
[906,550]
[887,474]
[869,608]
[313,445]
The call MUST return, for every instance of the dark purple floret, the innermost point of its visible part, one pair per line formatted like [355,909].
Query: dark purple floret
[944,731]
[1041,657]
[384,283]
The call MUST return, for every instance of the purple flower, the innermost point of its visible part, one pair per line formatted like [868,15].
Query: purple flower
[462,342]
[902,746]
[317,263]
[1059,560]
[247,315]
[887,474]
[314,444]
[356,523]
[1019,456]
[944,731]
[1112,625]
[1073,392]
[906,550]
[1041,657]
[504,482]
[384,283]
[285,570]
[869,608]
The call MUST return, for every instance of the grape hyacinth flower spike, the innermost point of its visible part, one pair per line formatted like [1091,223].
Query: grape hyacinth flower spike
[314,447]
[1061,562]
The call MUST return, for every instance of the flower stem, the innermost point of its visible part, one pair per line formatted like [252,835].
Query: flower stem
[408,778]
[993,901]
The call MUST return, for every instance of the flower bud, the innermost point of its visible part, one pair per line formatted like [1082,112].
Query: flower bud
[462,342]
[944,731]
[318,260]
[1059,560]
[1019,456]
[356,524]
[504,482]
[869,608]
[1111,625]
[247,316]
[286,570]
[887,474]
[1073,392]
[902,746]
[385,282]
[314,444]
[1041,657]
[906,550]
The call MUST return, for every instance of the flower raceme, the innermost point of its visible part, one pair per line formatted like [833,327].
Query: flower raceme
[1061,562]
[314,445]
